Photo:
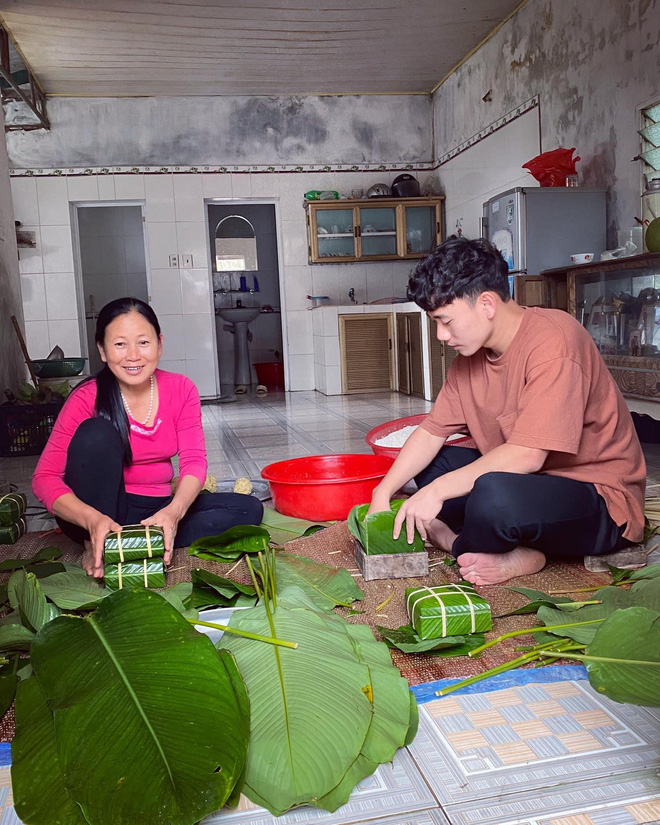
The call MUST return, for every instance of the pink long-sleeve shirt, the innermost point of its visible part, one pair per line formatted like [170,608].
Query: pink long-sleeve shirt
[177,430]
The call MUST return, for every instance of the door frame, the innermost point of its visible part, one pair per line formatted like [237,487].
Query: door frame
[74,206]
[280,276]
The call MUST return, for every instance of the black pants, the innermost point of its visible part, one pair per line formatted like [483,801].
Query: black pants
[95,473]
[562,518]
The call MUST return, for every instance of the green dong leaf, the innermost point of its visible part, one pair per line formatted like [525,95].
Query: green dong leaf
[374,531]
[286,528]
[230,545]
[26,596]
[148,724]
[623,661]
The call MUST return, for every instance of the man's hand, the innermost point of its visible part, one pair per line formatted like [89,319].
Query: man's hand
[98,526]
[418,512]
[168,518]
[379,502]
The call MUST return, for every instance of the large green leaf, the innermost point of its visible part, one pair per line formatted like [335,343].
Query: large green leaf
[40,794]
[148,724]
[392,710]
[46,554]
[325,586]
[27,596]
[309,714]
[620,574]
[210,590]
[623,661]
[645,593]
[323,715]
[375,531]
[15,636]
[230,545]
[73,590]
[286,528]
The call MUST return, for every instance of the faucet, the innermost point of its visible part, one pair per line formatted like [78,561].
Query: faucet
[351,295]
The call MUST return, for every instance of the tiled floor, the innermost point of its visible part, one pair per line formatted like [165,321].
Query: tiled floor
[533,754]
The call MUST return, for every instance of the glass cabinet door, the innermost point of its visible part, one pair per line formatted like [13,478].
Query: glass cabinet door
[378,231]
[420,229]
[335,233]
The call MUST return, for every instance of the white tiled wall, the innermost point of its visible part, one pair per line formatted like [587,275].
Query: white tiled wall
[182,297]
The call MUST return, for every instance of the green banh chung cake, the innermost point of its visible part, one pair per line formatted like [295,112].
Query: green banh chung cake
[11,533]
[447,610]
[12,508]
[133,557]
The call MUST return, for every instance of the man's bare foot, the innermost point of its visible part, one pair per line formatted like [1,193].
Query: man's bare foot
[495,568]
[87,560]
[439,534]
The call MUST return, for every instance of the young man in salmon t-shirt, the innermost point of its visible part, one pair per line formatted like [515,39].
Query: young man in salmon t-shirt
[559,471]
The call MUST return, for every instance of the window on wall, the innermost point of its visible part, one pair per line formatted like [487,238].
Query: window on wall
[650,158]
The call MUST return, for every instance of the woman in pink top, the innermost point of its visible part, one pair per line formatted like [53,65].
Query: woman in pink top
[108,461]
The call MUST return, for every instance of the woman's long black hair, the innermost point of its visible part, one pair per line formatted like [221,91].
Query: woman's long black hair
[109,402]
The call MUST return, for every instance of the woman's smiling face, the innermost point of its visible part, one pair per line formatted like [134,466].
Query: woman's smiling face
[131,349]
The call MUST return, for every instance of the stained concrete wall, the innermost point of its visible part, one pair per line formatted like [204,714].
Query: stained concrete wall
[12,365]
[228,131]
[592,63]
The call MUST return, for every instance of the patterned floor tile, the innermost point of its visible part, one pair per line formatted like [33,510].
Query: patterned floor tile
[397,790]
[536,750]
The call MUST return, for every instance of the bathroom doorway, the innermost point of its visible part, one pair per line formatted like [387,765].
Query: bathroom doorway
[111,262]
[245,269]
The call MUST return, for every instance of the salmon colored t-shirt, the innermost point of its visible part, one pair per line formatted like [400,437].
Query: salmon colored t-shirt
[550,390]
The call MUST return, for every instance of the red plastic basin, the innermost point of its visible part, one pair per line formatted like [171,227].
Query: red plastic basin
[398,424]
[324,487]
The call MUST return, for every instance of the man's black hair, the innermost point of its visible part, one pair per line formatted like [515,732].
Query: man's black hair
[459,268]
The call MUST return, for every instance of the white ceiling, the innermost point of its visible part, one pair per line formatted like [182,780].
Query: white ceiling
[230,47]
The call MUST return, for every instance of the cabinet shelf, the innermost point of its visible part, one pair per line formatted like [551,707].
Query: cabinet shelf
[618,302]
[414,228]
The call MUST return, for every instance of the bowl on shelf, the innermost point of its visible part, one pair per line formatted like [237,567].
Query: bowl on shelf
[390,427]
[58,367]
[582,258]
[324,487]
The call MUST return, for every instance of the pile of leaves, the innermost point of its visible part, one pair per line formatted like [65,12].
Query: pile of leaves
[125,713]
[324,716]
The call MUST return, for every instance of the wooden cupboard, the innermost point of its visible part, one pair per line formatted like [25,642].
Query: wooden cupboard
[373,229]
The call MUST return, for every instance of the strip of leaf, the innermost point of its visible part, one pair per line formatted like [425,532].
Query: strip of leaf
[536,599]
[286,528]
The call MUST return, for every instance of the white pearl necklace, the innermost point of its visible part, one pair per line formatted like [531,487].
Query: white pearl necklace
[151,403]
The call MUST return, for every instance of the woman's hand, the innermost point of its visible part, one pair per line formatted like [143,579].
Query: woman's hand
[168,518]
[418,511]
[98,526]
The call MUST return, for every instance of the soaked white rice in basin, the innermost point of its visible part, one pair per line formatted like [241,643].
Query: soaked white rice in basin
[398,438]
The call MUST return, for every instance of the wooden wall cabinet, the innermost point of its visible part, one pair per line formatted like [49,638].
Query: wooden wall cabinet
[618,302]
[410,359]
[373,229]
[441,357]
[366,350]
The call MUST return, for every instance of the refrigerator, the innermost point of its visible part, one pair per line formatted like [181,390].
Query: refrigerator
[540,227]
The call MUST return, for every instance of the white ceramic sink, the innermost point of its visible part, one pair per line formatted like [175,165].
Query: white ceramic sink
[237,314]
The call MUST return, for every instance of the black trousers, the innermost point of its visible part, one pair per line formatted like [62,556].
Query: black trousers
[95,473]
[563,518]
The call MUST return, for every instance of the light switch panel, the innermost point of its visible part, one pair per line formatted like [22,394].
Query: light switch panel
[174,260]
[186,260]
